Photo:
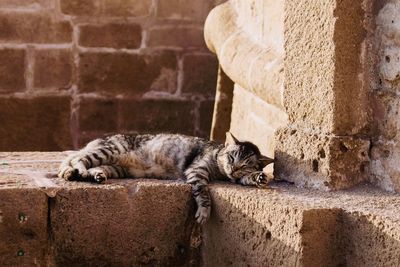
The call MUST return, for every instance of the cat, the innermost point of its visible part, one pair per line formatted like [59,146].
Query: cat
[169,156]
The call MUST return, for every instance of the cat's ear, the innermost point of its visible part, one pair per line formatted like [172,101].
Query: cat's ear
[230,139]
[265,160]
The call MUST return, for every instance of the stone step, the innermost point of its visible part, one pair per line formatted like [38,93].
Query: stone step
[45,221]
[288,226]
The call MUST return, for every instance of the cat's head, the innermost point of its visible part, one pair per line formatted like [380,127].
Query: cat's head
[239,159]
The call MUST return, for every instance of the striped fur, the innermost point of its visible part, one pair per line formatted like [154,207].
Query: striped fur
[168,156]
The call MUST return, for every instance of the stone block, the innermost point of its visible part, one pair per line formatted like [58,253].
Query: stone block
[31,4]
[180,9]
[23,226]
[114,35]
[322,63]
[80,7]
[17,28]
[98,115]
[157,116]
[41,123]
[253,227]
[176,37]
[142,222]
[106,8]
[386,108]
[321,161]
[385,170]
[123,73]
[53,68]
[131,8]
[200,74]
[370,240]
[12,74]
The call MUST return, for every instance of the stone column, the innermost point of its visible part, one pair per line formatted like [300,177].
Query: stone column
[325,143]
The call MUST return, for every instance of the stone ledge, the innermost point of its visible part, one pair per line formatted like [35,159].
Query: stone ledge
[46,221]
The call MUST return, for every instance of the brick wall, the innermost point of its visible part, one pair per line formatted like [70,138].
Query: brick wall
[72,70]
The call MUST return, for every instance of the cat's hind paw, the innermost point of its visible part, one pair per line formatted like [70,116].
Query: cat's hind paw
[202,214]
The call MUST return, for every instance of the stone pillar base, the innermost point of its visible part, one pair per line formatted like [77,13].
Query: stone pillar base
[320,161]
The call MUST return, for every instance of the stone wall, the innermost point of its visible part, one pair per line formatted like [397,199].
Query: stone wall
[76,69]
[328,91]
[384,83]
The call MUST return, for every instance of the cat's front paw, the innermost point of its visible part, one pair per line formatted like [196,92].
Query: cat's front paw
[97,175]
[68,173]
[261,180]
[202,214]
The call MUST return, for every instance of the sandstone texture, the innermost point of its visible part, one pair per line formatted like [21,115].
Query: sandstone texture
[287,226]
[258,67]
[45,221]
[385,101]
[321,161]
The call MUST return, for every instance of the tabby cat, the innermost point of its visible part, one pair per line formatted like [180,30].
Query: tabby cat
[169,156]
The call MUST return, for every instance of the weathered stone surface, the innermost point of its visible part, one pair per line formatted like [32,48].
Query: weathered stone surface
[157,116]
[180,9]
[385,170]
[113,73]
[127,8]
[115,35]
[321,161]
[33,4]
[80,7]
[176,37]
[254,66]
[255,120]
[370,240]
[98,115]
[35,124]
[200,74]
[12,74]
[321,65]
[17,28]
[109,8]
[263,20]
[385,102]
[23,225]
[287,226]
[142,222]
[59,75]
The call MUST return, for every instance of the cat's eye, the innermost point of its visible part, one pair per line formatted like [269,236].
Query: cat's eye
[230,159]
